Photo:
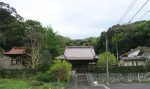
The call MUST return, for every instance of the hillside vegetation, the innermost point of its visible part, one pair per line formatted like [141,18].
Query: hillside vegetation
[127,37]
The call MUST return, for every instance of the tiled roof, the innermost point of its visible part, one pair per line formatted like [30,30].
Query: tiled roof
[142,50]
[16,50]
[79,53]
[139,56]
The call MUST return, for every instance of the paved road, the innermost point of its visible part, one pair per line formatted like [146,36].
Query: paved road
[117,86]
[87,87]
[130,86]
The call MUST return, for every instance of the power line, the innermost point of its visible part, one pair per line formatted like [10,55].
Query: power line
[144,15]
[127,10]
[122,18]
[138,11]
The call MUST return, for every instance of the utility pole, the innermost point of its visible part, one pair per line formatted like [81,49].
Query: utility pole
[107,71]
[117,53]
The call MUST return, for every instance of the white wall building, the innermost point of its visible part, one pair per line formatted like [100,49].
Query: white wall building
[139,56]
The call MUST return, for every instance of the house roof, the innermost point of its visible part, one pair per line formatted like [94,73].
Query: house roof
[16,50]
[142,50]
[78,53]
[139,55]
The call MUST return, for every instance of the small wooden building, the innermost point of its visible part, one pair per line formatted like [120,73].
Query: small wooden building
[17,54]
[82,58]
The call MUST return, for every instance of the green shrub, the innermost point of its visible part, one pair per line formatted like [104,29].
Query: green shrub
[60,70]
[17,73]
[43,77]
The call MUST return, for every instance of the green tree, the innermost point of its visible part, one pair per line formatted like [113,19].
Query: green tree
[11,30]
[34,38]
[43,44]
[11,10]
[54,43]
[102,59]
[51,42]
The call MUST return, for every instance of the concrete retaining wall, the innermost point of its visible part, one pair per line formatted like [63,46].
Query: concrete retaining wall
[117,78]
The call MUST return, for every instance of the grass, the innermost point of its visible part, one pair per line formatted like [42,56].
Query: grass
[26,84]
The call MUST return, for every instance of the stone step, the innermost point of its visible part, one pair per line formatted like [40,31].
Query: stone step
[82,80]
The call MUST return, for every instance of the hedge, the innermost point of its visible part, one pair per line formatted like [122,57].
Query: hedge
[17,73]
[122,69]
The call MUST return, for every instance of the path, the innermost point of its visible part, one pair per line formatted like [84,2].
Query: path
[80,81]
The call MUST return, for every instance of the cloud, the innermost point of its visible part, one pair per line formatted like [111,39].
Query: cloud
[77,18]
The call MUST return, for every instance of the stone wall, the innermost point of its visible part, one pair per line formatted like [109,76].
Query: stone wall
[118,78]
[5,63]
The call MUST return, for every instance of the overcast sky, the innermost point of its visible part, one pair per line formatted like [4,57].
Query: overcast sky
[78,19]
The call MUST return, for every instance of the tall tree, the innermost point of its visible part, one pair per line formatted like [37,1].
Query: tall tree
[53,43]
[11,29]
[34,37]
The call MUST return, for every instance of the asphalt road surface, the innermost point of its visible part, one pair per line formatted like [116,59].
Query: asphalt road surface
[130,86]
[117,86]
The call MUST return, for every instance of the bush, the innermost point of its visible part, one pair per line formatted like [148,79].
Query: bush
[60,70]
[43,77]
[17,73]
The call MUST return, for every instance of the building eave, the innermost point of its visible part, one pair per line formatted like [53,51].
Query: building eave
[132,58]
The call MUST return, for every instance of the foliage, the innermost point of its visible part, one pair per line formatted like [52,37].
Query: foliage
[54,43]
[11,30]
[17,73]
[34,40]
[126,36]
[42,43]
[122,69]
[46,61]
[60,70]
[43,77]
[102,59]
[11,10]
[91,41]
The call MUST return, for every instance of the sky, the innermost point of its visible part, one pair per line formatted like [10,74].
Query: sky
[78,19]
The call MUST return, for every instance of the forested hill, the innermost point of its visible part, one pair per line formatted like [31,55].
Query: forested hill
[16,32]
[90,41]
[127,37]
